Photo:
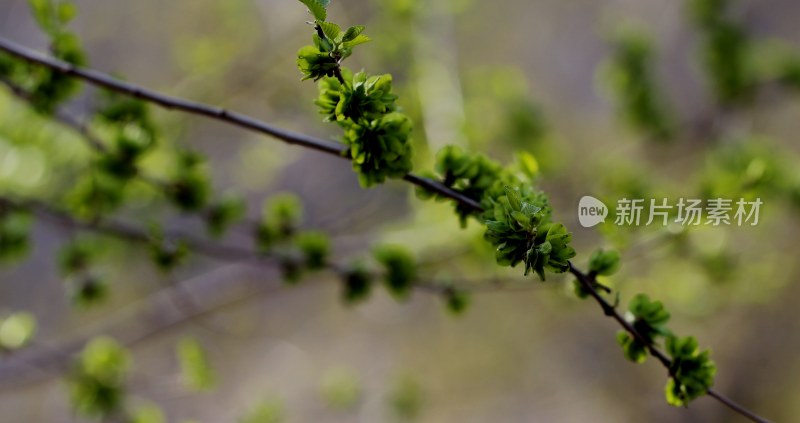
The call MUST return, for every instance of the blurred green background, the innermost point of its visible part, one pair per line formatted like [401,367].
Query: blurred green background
[496,77]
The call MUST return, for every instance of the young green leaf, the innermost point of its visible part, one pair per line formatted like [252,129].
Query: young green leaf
[400,269]
[359,39]
[604,263]
[528,164]
[352,33]
[330,29]
[317,8]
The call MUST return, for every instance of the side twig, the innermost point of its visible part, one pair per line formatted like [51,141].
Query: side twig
[588,282]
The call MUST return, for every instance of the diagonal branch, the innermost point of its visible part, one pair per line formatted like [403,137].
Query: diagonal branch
[588,282]
[237,119]
[234,118]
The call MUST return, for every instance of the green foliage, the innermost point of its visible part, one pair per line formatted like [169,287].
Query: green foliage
[726,51]
[317,8]
[97,380]
[315,64]
[361,97]
[14,231]
[517,217]
[519,228]
[528,165]
[514,221]
[604,262]
[270,411]
[315,247]
[291,270]
[456,300]
[52,16]
[380,148]
[749,168]
[789,71]
[357,284]
[406,399]
[196,370]
[630,76]
[75,257]
[134,134]
[9,66]
[166,254]
[279,221]
[400,269]
[692,371]
[331,46]
[341,389]
[147,414]
[16,330]
[87,290]
[377,136]
[118,109]
[189,189]
[224,213]
[96,194]
[50,88]
[75,264]
[649,319]
[470,174]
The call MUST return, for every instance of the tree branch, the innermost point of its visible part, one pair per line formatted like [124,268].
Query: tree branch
[588,282]
[329,147]
[234,118]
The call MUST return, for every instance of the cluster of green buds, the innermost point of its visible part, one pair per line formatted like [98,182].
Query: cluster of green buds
[76,261]
[331,44]
[375,132]
[517,218]
[691,371]
[649,319]
[98,378]
[278,233]
[223,213]
[519,226]
[726,50]
[95,195]
[134,134]
[190,188]
[48,88]
[166,253]
[361,97]
[630,77]
[400,269]
[380,148]
[471,174]
[14,230]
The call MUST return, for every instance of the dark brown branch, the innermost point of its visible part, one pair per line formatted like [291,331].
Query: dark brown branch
[588,283]
[230,117]
[329,147]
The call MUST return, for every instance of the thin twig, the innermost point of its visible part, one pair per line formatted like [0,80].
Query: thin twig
[588,283]
[329,147]
[230,117]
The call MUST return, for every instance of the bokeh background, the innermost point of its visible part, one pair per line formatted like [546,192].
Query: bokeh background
[496,77]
